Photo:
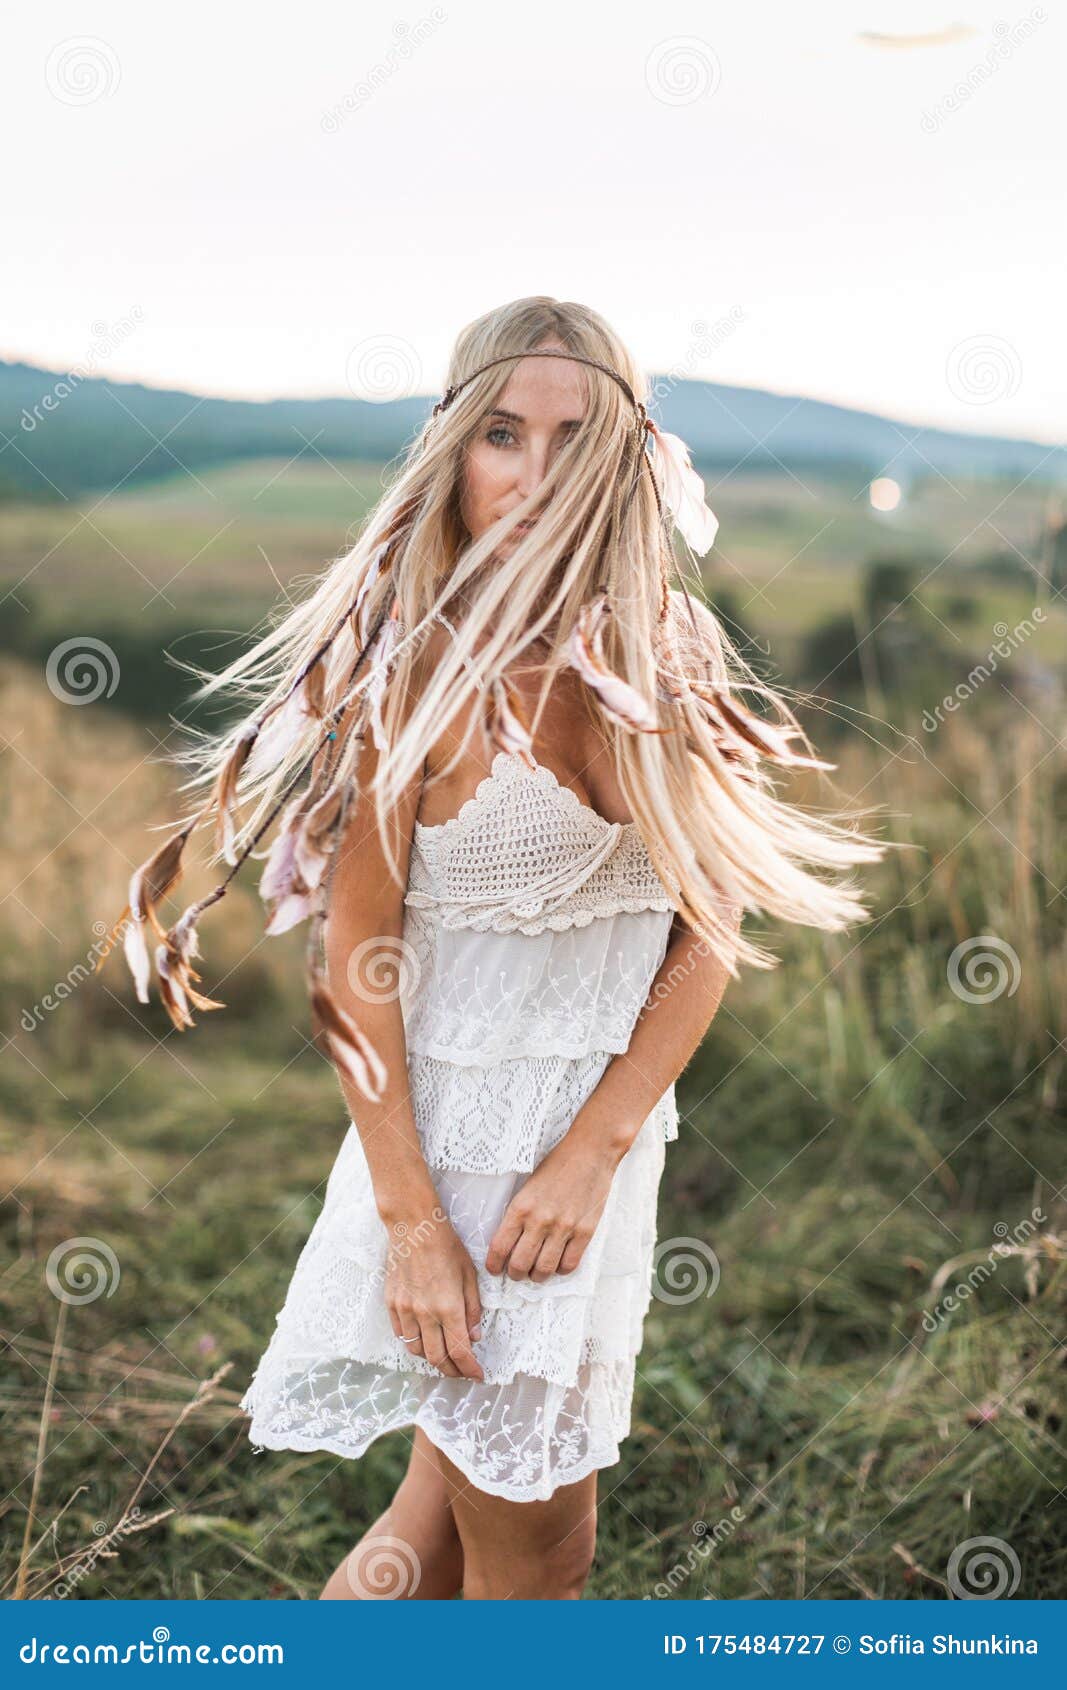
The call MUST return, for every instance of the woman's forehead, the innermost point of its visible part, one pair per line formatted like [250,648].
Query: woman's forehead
[540,388]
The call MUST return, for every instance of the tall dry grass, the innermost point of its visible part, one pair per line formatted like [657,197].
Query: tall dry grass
[855,1133]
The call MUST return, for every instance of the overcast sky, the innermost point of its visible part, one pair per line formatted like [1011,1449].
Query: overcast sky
[250,200]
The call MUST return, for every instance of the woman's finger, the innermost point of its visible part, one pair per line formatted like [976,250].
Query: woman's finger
[572,1255]
[406,1328]
[524,1254]
[472,1305]
[548,1257]
[460,1353]
[503,1240]
[433,1338]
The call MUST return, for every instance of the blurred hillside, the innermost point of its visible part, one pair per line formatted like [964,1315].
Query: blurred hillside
[190,564]
[69,435]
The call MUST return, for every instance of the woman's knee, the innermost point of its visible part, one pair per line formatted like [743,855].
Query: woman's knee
[533,1564]
[570,1562]
[539,1550]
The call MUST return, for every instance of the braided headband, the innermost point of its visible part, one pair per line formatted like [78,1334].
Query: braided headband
[576,357]
[682,490]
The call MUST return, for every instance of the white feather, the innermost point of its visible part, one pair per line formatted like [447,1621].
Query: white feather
[683,491]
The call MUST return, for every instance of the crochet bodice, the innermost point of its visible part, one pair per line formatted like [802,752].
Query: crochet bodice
[533,930]
[525,854]
[533,926]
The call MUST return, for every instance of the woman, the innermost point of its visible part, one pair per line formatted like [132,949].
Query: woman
[539,811]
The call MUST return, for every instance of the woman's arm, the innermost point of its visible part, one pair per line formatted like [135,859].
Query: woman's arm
[555,1212]
[431,1285]
[363,936]
[678,1011]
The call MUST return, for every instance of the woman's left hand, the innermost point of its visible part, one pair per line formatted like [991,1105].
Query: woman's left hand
[552,1217]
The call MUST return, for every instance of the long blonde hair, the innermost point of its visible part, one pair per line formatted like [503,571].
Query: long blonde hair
[703,797]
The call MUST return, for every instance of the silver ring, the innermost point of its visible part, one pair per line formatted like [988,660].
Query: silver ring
[414,1339]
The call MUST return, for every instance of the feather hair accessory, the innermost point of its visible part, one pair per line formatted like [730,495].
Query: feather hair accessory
[295,877]
[618,699]
[382,657]
[742,733]
[743,737]
[683,490]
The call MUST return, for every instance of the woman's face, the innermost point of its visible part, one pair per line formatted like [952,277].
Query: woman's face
[539,409]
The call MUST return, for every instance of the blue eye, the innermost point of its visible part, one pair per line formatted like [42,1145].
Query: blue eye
[498,429]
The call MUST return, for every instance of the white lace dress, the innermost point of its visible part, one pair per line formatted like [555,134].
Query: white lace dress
[533,931]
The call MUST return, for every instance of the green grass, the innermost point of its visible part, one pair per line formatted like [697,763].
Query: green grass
[854,1132]
[850,1126]
[214,550]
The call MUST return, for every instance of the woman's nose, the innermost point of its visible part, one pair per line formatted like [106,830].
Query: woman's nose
[532,469]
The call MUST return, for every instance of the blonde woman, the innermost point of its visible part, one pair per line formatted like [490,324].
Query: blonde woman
[537,810]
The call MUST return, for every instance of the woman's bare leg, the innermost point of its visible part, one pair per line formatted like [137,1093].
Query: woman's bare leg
[523,1550]
[413,1551]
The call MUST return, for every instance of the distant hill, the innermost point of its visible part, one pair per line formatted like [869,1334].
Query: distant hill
[61,437]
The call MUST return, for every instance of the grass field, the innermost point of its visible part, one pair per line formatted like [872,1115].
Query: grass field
[215,550]
[865,1130]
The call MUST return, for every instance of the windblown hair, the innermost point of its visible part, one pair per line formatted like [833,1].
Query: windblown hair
[592,578]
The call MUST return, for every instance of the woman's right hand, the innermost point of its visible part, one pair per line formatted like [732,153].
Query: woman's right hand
[431,1293]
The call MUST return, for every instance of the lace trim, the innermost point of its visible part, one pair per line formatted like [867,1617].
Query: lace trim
[546,1339]
[520,1441]
[509,766]
[335,1304]
[483,998]
[557,922]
